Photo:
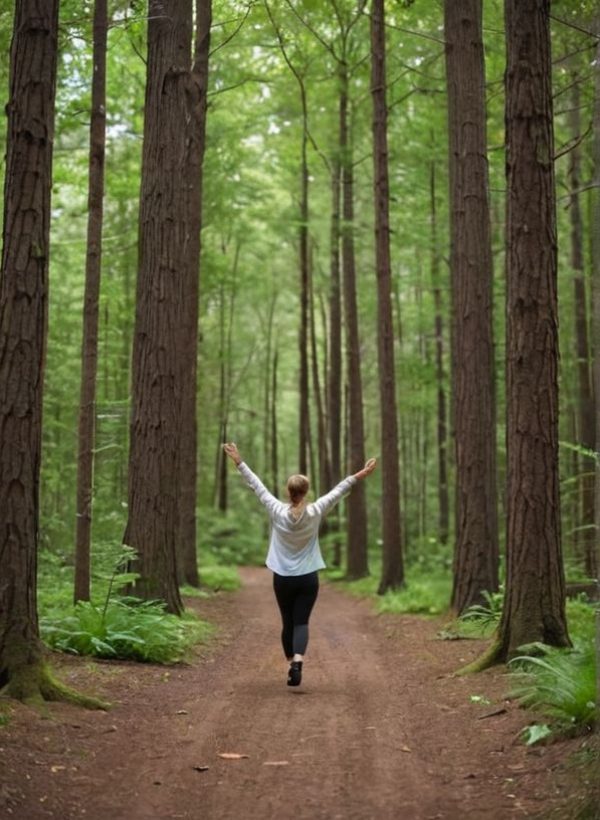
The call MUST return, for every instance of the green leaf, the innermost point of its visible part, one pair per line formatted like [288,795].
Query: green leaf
[535,733]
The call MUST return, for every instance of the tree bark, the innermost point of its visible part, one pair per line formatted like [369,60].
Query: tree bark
[323,454]
[274,433]
[442,422]
[534,608]
[196,99]
[585,405]
[392,572]
[89,345]
[334,384]
[23,329]
[164,233]
[304,291]
[471,265]
[356,545]
[595,245]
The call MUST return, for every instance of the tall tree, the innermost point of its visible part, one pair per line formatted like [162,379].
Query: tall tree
[23,326]
[162,290]
[596,306]
[196,99]
[357,564]
[89,344]
[442,424]
[303,257]
[392,572]
[471,266]
[534,608]
[585,404]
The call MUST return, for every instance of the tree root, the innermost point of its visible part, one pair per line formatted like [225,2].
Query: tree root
[35,684]
[491,657]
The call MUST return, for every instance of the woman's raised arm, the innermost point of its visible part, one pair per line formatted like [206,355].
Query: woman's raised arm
[266,498]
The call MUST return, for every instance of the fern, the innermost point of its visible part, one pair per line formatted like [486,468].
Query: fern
[561,684]
[124,628]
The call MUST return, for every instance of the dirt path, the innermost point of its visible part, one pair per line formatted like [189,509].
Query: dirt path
[378,729]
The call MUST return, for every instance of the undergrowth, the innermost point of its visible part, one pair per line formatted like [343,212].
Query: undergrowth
[560,683]
[116,626]
[424,592]
[127,629]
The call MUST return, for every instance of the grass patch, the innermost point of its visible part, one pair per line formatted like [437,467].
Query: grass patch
[424,593]
[213,579]
[220,578]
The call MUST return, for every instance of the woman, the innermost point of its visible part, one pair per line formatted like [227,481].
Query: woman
[294,554]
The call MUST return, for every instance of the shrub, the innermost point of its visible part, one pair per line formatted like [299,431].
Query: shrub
[561,684]
[125,628]
[484,617]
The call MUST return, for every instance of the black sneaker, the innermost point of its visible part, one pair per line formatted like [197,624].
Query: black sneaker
[295,673]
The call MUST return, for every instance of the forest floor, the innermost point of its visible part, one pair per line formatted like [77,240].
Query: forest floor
[379,729]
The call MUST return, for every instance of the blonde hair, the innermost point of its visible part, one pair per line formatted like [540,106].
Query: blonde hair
[297,487]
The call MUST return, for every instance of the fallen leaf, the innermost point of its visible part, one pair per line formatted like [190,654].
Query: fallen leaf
[405,749]
[276,763]
[200,768]
[181,712]
[231,756]
[57,768]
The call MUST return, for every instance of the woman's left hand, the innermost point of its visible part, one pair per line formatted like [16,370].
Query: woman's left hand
[367,469]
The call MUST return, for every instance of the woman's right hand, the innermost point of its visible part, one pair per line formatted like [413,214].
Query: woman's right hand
[367,469]
[232,451]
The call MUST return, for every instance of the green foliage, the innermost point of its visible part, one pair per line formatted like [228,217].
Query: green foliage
[235,538]
[423,593]
[125,628]
[536,732]
[220,578]
[214,579]
[484,617]
[561,683]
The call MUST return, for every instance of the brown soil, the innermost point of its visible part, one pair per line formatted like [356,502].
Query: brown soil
[378,729]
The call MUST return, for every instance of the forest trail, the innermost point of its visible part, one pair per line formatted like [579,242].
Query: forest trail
[378,729]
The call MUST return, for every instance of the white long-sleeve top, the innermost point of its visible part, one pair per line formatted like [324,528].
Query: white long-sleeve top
[294,546]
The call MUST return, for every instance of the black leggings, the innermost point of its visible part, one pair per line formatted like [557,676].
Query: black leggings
[296,596]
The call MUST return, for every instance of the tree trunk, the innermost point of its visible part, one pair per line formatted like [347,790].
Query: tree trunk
[323,455]
[442,422]
[304,293]
[334,385]
[392,571]
[267,389]
[585,405]
[157,370]
[595,245]
[471,265]
[188,467]
[534,608]
[23,326]
[357,561]
[274,447]
[89,345]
